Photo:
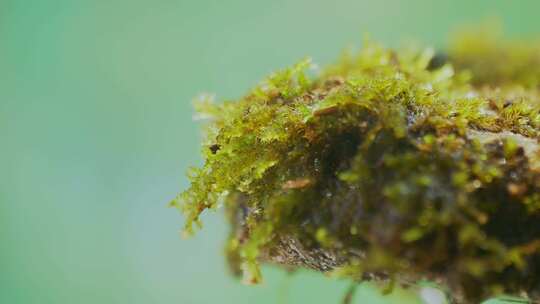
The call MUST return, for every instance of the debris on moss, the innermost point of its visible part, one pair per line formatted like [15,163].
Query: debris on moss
[396,165]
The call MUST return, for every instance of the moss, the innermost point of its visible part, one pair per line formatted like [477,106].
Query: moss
[494,61]
[426,168]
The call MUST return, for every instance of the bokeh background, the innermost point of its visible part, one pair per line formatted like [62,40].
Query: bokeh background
[96,133]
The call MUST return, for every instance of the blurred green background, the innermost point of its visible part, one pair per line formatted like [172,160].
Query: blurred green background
[96,134]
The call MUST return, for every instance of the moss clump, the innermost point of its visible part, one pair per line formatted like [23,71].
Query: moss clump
[384,165]
[494,61]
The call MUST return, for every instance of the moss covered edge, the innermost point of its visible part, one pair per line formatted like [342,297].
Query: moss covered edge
[387,163]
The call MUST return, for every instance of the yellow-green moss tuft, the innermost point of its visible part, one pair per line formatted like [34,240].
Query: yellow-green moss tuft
[394,164]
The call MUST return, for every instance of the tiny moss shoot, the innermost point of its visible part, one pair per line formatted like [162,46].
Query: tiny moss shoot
[393,165]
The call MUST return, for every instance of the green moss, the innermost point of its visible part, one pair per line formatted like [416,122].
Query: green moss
[385,153]
[494,61]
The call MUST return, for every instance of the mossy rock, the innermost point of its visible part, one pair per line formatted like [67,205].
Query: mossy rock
[389,165]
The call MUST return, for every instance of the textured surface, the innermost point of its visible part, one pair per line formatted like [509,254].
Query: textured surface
[385,164]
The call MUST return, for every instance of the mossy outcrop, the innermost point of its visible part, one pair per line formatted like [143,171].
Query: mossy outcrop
[390,165]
